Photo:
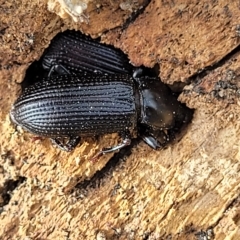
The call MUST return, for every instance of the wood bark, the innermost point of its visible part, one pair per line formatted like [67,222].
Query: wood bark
[190,190]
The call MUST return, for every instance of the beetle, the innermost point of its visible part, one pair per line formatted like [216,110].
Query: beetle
[74,106]
[91,89]
[72,52]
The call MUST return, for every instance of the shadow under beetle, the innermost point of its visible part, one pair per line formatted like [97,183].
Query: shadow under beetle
[76,101]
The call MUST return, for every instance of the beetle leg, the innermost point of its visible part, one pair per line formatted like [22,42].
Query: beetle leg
[140,72]
[151,141]
[125,142]
[68,146]
[157,139]
[137,73]
[58,68]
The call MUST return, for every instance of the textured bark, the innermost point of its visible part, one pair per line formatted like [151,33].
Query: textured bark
[190,190]
[182,36]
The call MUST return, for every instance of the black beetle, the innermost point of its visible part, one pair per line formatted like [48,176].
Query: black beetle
[89,105]
[72,52]
[90,91]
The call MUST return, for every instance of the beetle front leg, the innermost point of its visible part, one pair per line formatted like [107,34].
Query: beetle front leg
[59,69]
[125,142]
[157,139]
[68,146]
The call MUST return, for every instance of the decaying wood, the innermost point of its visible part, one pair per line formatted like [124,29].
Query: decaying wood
[189,190]
[182,37]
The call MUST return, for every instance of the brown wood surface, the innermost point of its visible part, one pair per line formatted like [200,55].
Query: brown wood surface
[189,190]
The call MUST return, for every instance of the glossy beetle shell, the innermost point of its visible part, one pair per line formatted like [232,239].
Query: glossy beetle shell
[66,105]
[79,53]
[89,92]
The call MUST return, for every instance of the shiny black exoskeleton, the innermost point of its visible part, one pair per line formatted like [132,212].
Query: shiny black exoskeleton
[74,102]
[75,53]
[73,106]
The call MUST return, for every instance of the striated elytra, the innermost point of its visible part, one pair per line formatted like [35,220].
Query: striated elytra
[90,89]
[90,105]
[66,105]
[73,52]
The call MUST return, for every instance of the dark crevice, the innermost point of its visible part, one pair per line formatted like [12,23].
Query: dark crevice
[10,65]
[34,73]
[131,19]
[204,72]
[135,15]
[191,230]
[7,189]
[234,202]
[203,235]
